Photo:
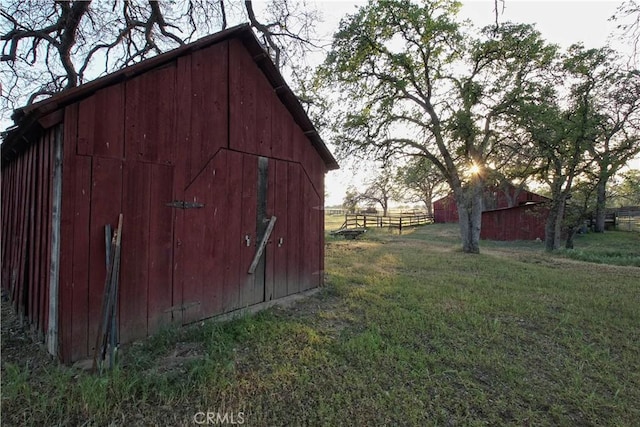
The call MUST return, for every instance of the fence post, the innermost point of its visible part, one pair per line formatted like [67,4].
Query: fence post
[400,226]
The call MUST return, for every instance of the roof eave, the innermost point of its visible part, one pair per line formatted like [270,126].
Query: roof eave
[26,118]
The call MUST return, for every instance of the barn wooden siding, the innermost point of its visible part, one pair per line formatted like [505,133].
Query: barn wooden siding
[208,127]
[27,192]
[445,210]
[524,222]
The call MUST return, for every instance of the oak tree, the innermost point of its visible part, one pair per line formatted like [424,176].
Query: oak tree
[411,80]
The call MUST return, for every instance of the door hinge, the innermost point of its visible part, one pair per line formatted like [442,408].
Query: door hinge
[181,204]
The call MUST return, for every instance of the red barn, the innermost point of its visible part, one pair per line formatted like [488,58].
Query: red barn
[198,148]
[445,210]
[523,222]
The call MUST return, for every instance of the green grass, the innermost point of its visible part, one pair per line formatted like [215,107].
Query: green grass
[333,222]
[408,331]
[611,247]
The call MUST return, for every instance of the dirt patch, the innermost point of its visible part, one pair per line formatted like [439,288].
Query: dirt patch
[20,345]
[183,353]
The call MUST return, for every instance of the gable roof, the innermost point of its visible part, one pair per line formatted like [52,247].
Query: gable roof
[26,118]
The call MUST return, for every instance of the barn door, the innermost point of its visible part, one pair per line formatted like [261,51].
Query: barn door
[220,227]
[294,261]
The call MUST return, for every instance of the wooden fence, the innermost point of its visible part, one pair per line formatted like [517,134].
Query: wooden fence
[391,221]
[628,220]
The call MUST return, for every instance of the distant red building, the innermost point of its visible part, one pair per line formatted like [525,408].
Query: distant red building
[509,214]
[523,222]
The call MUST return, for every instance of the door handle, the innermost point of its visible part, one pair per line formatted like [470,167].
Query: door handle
[247,239]
[280,242]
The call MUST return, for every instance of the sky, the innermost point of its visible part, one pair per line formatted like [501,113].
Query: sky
[560,22]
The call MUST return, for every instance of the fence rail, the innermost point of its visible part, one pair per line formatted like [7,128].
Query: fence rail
[391,221]
[628,220]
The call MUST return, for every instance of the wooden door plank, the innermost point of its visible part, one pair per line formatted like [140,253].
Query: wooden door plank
[252,290]
[134,275]
[192,247]
[160,248]
[203,241]
[234,241]
[181,178]
[216,223]
[269,274]
[294,224]
[306,244]
[281,238]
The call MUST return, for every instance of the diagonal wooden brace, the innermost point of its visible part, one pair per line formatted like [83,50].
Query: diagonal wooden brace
[263,244]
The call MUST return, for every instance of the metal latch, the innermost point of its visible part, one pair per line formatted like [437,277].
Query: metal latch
[181,204]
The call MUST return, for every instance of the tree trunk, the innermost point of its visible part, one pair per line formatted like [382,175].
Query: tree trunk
[469,203]
[553,226]
[427,202]
[571,232]
[601,205]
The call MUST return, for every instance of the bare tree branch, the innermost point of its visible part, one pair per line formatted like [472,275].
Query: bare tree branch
[48,46]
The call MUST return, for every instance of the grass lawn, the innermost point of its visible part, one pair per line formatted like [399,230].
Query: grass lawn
[407,331]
